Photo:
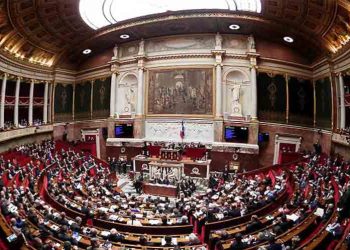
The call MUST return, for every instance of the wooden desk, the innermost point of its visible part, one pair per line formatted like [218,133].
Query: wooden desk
[159,189]
[194,169]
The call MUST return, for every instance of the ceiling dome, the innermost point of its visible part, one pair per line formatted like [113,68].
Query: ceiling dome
[100,13]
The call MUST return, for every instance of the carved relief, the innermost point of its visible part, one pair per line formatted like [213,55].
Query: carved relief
[235,42]
[180,43]
[170,131]
[128,50]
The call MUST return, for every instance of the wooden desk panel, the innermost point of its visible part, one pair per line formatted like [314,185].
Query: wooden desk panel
[159,190]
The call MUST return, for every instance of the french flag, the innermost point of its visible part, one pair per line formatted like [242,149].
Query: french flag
[182,131]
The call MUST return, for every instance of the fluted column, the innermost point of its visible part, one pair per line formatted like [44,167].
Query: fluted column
[342,102]
[46,95]
[18,85]
[2,104]
[218,86]
[139,107]
[31,103]
[254,88]
[50,102]
[113,94]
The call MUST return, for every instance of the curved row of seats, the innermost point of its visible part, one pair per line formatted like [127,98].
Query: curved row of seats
[311,231]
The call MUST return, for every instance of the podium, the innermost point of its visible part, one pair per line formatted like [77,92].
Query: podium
[170,154]
[165,169]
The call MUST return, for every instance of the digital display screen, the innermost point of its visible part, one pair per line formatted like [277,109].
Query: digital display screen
[263,137]
[124,131]
[236,134]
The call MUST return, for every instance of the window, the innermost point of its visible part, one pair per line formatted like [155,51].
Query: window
[100,13]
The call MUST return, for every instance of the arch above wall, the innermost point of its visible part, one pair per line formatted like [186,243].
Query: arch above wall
[238,74]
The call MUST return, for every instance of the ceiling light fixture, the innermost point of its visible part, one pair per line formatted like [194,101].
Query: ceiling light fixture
[234,27]
[288,39]
[87,51]
[124,36]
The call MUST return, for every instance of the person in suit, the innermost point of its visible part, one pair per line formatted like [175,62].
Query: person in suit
[115,236]
[237,244]
[64,236]
[254,224]
[274,245]
[75,226]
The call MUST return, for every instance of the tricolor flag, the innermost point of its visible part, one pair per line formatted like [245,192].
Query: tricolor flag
[182,131]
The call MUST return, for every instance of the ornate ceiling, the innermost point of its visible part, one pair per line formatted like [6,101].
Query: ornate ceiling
[51,32]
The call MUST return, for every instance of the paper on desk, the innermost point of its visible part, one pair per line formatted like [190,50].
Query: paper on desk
[319,212]
[292,217]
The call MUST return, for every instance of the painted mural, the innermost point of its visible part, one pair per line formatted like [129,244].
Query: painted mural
[301,101]
[180,91]
[101,99]
[323,103]
[82,101]
[271,97]
[63,102]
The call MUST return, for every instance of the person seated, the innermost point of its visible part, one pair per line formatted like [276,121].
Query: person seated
[115,236]
[94,245]
[335,229]
[193,240]
[75,226]
[167,241]
[274,245]
[62,219]
[19,222]
[133,221]
[145,240]
[254,224]
[64,236]
[14,227]
[237,244]
[164,220]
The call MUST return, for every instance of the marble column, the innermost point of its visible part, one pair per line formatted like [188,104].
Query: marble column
[342,102]
[46,95]
[218,103]
[31,103]
[113,94]
[139,107]
[254,88]
[2,104]
[50,103]
[18,85]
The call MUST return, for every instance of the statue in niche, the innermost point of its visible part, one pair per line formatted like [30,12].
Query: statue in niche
[251,43]
[130,97]
[142,47]
[218,41]
[115,52]
[236,106]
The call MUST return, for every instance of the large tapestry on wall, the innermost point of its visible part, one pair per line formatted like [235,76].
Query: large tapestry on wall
[82,101]
[301,101]
[63,102]
[323,103]
[101,98]
[271,97]
[180,91]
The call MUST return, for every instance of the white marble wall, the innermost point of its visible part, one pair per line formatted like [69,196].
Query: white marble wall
[195,131]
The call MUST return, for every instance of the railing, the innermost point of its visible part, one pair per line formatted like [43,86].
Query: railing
[22,132]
